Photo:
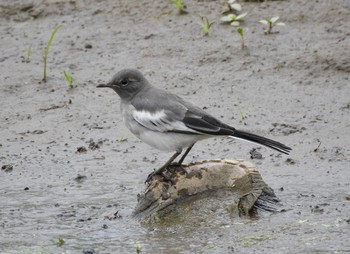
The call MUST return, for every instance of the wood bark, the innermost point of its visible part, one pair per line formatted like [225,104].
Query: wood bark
[186,184]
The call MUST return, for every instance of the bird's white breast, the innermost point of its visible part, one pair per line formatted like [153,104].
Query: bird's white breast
[157,136]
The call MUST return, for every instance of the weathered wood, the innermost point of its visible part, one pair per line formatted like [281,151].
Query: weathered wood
[165,194]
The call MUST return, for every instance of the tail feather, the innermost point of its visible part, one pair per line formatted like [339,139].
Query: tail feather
[262,141]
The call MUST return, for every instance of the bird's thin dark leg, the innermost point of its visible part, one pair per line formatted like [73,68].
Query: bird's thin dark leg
[172,158]
[163,168]
[185,154]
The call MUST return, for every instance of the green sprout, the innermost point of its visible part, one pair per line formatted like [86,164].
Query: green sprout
[59,242]
[180,6]
[270,23]
[68,78]
[234,19]
[24,34]
[47,49]
[138,248]
[243,116]
[206,25]
[233,6]
[27,53]
[121,140]
[240,31]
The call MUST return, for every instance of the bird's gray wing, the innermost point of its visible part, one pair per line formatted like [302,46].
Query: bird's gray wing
[207,124]
[161,111]
[161,121]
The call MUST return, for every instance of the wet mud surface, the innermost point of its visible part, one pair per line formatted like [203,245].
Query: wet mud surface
[70,170]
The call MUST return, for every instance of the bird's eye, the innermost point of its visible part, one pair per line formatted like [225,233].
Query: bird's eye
[124,82]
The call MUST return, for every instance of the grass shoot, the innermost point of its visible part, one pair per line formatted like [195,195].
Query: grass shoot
[27,53]
[122,139]
[206,24]
[244,117]
[240,31]
[69,78]
[60,242]
[138,248]
[180,6]
[46,54]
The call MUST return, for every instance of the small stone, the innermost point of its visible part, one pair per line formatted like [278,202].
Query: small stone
[290,161]
[255,154]
[81,149]
[317,209]
[80,178]
[89,251]
[88,46]
[38,132]
[95,145]
[7,168]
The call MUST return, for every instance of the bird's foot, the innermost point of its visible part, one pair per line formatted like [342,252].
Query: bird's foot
[176,166]
[150,176]
[160,173]
[173,167]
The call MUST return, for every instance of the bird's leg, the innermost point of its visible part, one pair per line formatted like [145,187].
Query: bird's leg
[179,163]
[172,158]
[163,168]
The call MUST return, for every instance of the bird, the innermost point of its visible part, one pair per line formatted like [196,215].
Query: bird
[169,123]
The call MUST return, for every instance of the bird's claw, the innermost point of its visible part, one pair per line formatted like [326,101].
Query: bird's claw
[161,172]
[178,166]
[150,176]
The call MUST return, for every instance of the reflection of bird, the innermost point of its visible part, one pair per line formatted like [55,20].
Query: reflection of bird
[169,123]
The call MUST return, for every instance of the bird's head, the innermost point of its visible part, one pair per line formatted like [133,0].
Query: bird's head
[127,83]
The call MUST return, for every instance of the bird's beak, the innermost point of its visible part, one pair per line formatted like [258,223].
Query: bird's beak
[109,84]
[104,85]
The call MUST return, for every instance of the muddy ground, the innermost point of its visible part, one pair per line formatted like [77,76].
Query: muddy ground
[292,85]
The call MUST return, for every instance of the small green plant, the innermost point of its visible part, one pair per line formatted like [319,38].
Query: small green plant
[240,31]
[206,25]
[27,53]
[60,242]
[47,49]
[68,78]
[24,34]
[180,6]
[270,23]
[233,6]
[138,248]
[234,19]
[243,116]
[121,140]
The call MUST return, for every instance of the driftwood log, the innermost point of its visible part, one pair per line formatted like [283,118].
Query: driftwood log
[238,182]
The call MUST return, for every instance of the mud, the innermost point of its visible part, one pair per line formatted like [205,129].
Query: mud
[292,85]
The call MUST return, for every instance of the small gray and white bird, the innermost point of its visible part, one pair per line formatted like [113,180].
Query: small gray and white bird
[169,123]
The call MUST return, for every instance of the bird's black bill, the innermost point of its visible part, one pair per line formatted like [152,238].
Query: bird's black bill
[103,85]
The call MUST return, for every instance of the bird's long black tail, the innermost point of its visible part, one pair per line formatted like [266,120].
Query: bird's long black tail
[261,141]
